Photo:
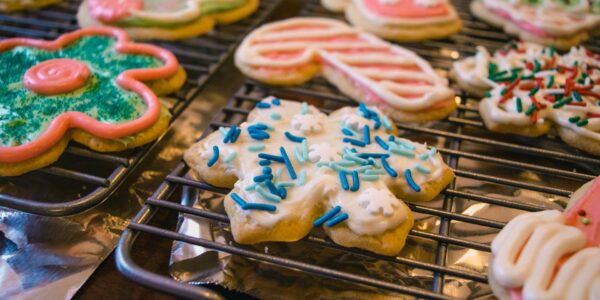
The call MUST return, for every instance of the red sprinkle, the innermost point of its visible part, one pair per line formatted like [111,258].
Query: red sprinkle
[529,65]
[534,117]
[568,86]
[583,87]
[507,95]
[527,86]
[593,115]
[577,104]
[536,103]
[550,98]
[590,93]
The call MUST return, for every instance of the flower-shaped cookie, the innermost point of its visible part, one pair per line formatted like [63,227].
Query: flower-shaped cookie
[350,181]
[90,79]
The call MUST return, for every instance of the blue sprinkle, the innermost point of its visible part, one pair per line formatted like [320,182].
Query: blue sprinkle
[382,143]
[263,105]
[302,178]
[229,134]
[377,123]
[251,187]
[375,172]
[424,156]
[275,116]
[276,101]
[387,168]
[278,175]
[262,178]
[268,196]
[346,131]
[373,155]
[214,157]
[272,187]
[337,219]
[223,130]
[229,158]
[320,221]
[391,138]
[286,184]
[386,123]
[258,126]
[304,109]
[288,163]
[367,134]
[270,157]
[293,138]
[265,126]
[355,182]
[402,152]
[267,170]
[305,149]
[406,145]
[238,200]
[411,182]
[260,206]
[354,142]
[354,158]
[344,180]
[282,192]
[256,148]
[258,134]
[422,169]
[264,162]
[432,151]
[346,163]
[236,135]
[299,156]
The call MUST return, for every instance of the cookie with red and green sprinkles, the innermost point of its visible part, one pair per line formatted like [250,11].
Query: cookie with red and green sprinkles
[92,85]
[528,89]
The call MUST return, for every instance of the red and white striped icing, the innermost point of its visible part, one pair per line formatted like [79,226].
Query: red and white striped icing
[386,73]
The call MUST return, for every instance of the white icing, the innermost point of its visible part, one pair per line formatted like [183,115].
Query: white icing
[357,58]
[308,123]
[527,250]
[367,216]
[190,11]
[551,18]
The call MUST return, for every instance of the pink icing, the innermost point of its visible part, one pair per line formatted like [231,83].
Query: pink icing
[111,11]
[522,24]
[56,76]
[405,9]
[129,80]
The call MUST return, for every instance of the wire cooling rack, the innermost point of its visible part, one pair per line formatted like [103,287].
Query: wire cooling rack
[83,178]
[498,165]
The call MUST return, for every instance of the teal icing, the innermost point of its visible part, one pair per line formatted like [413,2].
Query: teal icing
[24,115]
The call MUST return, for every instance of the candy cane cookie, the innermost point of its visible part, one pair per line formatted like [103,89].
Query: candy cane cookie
[400,20]
[362,66]
[532,88]
[293,168]
[549,254]
[164,19]
[15,5]
[92,85]
[562,23]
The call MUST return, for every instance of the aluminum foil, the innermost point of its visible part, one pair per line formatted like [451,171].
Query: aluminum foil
[197,265]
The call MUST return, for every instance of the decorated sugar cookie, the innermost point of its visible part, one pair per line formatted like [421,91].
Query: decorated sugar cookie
[293,168]
[362,66]
[530,88]
[164,19]
[400,20]
[92,85]
[549,254]
[14,5]
[562,23]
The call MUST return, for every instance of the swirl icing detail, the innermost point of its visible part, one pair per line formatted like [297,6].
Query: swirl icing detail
[528,250]
[543,70]
[372,208]
[56,76]
[129,80]
[387,73]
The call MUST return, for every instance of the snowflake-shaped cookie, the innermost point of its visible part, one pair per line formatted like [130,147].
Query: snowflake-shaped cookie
[340,178]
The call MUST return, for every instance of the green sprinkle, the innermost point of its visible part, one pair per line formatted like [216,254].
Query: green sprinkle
[530,110]
[582,123]
[519,105]
[537,66]
[550,81]
[488,94]
[534,91]
[256,148]
[574,119]
[526,77]
[552,50]
[503,91]
[370,177]
[585,221]
[304,109]
[229,158]
[275,116]
[562,102]
[577,96]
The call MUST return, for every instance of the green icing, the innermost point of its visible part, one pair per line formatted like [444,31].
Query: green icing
[206,7]
[24,115]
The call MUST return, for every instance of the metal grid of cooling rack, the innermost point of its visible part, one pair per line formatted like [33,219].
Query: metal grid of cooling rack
[87,184]
[554,170]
